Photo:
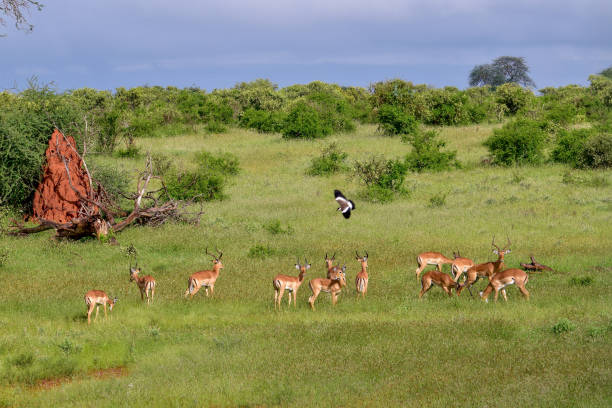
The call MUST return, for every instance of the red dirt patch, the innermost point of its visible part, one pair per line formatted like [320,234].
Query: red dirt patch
[54,199]
[101,374]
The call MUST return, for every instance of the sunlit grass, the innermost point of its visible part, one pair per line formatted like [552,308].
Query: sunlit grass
[389,349]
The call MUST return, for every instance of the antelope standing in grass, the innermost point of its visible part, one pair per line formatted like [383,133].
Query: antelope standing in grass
[146,283]
[329,264]
[332,285]
[361,280]
[487,269]
[502,279]
[206,278]
[95,298]
[290,284]
[438,278]
[460,265]
[431,258]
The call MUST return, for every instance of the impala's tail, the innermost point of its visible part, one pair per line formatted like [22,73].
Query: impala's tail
[276,283]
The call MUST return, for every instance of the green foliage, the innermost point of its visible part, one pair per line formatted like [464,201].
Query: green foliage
[587,180]
[570,145]
[381,177]
[304,122]
[115,180]
[437,200]
[262,121]
[261,251]
[607,72]
[426,154]
[513,97]
[393,120]
[502,70]
[563,326]
[448,107]
[332,160]
[597,152]
[224,163]
[275,227]
[581,280]
[519,142]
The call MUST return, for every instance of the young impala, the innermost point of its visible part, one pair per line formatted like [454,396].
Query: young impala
[145,283]
[431,258]
[205,278]
[290,284]
[502,279]
[332,285]
[361,280]
[486,269]
[95,298]
[439,278]
[460,265]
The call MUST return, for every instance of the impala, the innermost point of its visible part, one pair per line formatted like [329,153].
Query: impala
[331,285]
[431,258]
[460,265]
[290,284]
[439,278]
[361,280]
[206,278]
[95,298]
[486,269]
[502,279]
[145,283]
[329,263]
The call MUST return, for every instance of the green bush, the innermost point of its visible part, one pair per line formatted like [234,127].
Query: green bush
[426,154]
[262,121]
[393,120]
[331,161]
[199,185]
[514,97]
[563,326]
[381,177]
[447,107]
[518,142]
[222,162]
[115,180]
[303,122]
[597,152]
[570,145]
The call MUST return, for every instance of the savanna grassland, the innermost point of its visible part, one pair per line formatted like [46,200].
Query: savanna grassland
[388,350]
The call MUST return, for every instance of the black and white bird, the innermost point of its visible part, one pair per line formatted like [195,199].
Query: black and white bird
[345,205]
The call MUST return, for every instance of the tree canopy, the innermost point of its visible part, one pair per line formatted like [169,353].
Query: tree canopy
[17,10]
[502,70]
[607,72]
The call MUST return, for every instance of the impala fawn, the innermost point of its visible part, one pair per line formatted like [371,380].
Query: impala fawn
[145,283]
[95,298]
[291,284]
[332,285]
[206,278]
[438,278]
[361,280]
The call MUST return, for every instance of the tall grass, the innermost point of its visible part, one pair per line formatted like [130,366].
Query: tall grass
[390,349]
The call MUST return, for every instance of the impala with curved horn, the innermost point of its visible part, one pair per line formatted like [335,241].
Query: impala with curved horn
[146,283]
[505,278]
[205,278]
[431,258]
[291,284]
[329,264]
[486,269]
[331,285]
[361,280]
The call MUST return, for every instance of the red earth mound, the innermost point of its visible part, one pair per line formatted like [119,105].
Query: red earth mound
[54,199]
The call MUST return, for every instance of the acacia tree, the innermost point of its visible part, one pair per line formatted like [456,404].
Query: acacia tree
[607,72]
[502,70]
[17,10]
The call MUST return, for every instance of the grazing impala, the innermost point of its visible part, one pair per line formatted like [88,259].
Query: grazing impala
[205,278]
[145,283]
[431,258]
[290,284]
[95,298]
[331,285]
[502,279]
[439,278]
[361,280]
[486,269]
[460,265]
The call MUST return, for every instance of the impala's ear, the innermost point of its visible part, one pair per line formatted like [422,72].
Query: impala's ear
[508,251]
[307,266]
[297,266]
[495,252]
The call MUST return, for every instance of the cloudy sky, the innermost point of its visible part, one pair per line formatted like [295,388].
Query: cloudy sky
[106,44]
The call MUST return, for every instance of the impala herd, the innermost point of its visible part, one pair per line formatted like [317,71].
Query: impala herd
[497,276]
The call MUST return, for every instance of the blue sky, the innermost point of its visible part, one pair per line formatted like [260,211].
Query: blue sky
[215,44]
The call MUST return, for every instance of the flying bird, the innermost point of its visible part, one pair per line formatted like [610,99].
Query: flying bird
[345,205]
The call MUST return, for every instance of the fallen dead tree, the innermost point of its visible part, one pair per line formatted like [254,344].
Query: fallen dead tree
[535,266]
[98,215]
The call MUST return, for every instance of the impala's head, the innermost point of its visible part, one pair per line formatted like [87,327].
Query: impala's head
[362,259]
[501,252]
[134,271]
[111,303]
[216,259]
[329,261]
[302,268]
[342,275]
[456,254]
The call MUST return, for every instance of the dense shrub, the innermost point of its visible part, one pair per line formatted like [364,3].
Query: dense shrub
[570,145]
[447,107]
[382,178]
[304,122]
[513,97]
[393,120]
[262,121]
[597,152]
[222,162]
[426,154]
[332,160]
[115,181]
[518,142]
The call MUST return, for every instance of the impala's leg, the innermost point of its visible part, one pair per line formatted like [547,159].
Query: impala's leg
[275,297]
[289,299]
[503,291]
[97,310]
[448,292]
[294,298]
[105,314]
[496,294]
[191,285]
[90,308]
[524,291]
[334,299]
[419,270]
[212,290]
[425,286]
[194,289]
[142,290]
[312,298]
[152,292]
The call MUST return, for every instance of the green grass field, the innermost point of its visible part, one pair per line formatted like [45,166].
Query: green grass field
[387,350]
